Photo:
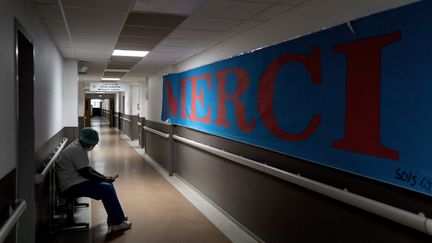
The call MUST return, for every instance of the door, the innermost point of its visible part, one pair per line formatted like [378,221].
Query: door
[111,112]
[25,133]
[87,113]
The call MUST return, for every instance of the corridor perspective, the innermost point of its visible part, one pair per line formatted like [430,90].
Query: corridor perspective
[239,121]
[158,212]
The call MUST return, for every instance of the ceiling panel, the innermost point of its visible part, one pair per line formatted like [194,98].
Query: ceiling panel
[229,9]
[131,31]
[173,49]
[167,21]
[195,34]
[95,28]
[134,47]
[94,59]
[92,45]
[113,74]
[120,65]
[191,53]
[293,2]
[262,1]
[86,16]
[50,12]
[56,25]
[246,25]
[162,55]
[95,53]
[138,40]
[160,26]
[184,7]
[201,23]
[62,42]
[98,4]
[150,62]
[50,2]
[125,59]
[184,42]
[272,12]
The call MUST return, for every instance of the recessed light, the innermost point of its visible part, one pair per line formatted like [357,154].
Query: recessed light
[110,79]
[128,53]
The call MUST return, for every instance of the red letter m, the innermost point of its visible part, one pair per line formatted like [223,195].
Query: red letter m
[171,102]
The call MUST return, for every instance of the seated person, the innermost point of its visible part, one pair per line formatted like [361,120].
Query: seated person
[77,179]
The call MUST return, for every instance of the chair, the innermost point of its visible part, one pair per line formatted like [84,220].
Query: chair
[64,212]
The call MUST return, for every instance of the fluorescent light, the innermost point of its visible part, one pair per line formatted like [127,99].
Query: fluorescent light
[127,53]
[117,70]
[111,79]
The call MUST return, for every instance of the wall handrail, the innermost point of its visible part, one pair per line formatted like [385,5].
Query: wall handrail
[159,122]
[12,220]
[164,135]
[412,220]
[40,177]
[125,119]
[139,123]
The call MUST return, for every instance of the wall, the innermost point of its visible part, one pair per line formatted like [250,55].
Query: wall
[135,99]
[47,97]
[117,102]
[154,104]
[81,99]
[143,86]
[48,75]
[274,210]
[70,93]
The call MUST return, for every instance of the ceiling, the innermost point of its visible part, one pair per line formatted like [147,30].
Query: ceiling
[172,30]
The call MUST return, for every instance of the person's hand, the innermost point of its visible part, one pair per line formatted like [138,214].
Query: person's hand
[112,178]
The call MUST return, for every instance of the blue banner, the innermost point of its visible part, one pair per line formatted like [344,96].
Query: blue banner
[355,97]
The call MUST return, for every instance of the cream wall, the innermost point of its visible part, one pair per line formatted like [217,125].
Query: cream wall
[154,104]
[70,93]
[135,99]
[81,99]
[48,98]
[143,90]
[47,84]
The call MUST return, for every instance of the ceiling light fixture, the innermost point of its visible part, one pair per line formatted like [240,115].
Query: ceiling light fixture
[117,70]
[128,53]
[110,79]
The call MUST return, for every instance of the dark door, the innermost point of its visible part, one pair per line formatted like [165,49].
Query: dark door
[87,113]
[25,133]
[111,112]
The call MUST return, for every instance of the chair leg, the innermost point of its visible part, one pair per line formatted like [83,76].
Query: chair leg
[69,224]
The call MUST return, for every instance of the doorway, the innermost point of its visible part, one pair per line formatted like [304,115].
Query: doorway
[87,113]
[24,70]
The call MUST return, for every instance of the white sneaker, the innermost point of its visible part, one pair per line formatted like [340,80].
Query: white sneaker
[125,225]
[109,220]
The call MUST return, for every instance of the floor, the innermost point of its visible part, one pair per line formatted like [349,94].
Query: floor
[159,213]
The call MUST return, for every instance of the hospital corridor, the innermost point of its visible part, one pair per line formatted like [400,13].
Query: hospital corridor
[213,121]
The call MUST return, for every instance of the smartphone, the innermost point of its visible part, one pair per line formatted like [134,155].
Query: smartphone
[116,176]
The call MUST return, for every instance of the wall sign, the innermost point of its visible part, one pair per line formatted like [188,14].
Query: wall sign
[107,87]
[356,97]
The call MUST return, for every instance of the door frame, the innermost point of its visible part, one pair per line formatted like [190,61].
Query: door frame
[25,133]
